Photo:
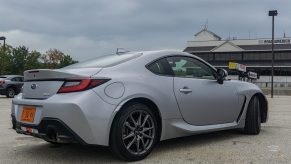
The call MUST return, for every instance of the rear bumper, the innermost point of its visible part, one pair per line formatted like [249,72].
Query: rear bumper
[81,117]
[49,129]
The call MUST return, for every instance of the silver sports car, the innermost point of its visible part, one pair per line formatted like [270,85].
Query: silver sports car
[130,101]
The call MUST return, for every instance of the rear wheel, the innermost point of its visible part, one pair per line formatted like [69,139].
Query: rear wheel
[134,132]
[10,93]
[253,117]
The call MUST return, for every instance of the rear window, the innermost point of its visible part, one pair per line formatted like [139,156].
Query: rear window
[105,61]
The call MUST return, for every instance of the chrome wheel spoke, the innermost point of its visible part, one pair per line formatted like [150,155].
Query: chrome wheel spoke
[137,145]
[147,136]
[128,125]
[142,143]
[147,129]
[131,142]
[139,119]
[131,134]
[145,120]
[132,119]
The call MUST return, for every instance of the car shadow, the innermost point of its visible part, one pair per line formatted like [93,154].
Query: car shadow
[4,97]
[199,139]
[74,153]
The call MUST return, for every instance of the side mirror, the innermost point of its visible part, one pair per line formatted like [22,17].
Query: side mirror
[222,73]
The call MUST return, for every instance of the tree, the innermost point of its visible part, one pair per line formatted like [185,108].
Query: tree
[32,60]
[67,60]
[17,60]
[54,58]
[19,55]
[5,59]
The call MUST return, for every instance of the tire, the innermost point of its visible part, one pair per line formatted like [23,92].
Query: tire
[253,117]
[134,132]
[13,124]
[10,92]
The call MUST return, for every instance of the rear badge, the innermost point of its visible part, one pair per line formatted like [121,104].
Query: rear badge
[33,86]
[46,94]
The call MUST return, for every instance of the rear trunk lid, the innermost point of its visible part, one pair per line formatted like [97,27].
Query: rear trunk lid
[43,83]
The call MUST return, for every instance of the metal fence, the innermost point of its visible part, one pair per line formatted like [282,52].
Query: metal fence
[276,84]
[280,88]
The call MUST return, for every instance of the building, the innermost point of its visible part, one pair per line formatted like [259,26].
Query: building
[256,54]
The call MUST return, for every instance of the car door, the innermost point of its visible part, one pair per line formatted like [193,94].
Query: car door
[17,82]
[201,99]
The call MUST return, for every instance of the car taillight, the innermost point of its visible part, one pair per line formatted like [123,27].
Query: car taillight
[73,85]
[2,82]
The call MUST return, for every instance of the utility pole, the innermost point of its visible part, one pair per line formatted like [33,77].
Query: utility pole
[273,13]
[1,62]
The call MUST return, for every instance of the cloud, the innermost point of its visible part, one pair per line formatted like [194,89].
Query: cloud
[90,28]
[79,47]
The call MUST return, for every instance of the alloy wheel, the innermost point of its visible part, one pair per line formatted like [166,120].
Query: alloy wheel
[11,92]
[138,132]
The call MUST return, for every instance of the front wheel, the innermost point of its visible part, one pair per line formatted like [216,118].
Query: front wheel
[134,132]
[253,117]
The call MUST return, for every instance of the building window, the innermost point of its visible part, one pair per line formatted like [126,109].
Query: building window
[228,56]
[257,56]
[282,55]
[205,56]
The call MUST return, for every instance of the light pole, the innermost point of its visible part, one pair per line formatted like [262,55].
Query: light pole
[272,13]
[2,38]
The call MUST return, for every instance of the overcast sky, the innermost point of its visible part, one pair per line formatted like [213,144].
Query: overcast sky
[85,29]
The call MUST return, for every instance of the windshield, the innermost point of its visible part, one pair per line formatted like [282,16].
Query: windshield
[105,61]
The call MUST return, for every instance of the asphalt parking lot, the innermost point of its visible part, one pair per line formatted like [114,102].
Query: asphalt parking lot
[273,145]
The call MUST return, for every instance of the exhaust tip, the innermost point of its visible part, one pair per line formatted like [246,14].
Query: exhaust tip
[52,134]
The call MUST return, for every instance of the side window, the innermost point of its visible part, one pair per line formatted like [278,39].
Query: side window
[160,67]
[190,68]
[18,79]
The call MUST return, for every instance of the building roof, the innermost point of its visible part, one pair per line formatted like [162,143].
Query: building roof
[265,47]
[227,46]
[208,31]
[207,41]
[258,47]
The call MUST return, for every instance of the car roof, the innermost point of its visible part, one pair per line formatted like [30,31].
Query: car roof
[162,53]
[159,53]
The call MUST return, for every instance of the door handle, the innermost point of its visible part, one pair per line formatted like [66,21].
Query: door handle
[185,90]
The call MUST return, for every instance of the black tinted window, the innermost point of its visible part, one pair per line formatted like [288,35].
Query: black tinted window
[18,79]
[160,67]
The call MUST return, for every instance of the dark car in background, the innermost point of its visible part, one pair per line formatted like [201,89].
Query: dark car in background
[10,85]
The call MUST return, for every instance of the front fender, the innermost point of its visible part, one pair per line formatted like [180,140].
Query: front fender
[249,90]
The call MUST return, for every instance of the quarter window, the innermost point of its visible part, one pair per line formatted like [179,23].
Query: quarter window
[160,67]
